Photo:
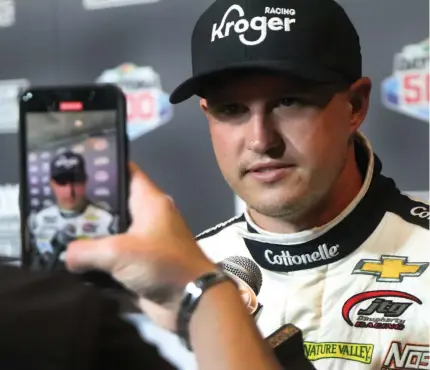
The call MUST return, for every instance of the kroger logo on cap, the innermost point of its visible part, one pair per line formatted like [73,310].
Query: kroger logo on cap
[262,24]
[66,162]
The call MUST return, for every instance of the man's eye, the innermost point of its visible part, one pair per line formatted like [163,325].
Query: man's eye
[229,109]
[288,102]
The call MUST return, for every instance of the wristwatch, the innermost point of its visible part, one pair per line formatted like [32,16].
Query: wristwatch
[190,299]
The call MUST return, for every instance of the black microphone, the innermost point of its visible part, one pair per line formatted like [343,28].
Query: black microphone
[59,243]
[287,344]
[247,275]
[64,236]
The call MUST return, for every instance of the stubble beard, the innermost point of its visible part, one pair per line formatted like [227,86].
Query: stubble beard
[300,209]
[287,210]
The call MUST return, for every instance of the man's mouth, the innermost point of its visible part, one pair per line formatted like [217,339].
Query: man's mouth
[270,171]
[269,166]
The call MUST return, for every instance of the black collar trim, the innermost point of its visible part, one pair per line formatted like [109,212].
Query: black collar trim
[412,211]
[216,229]
[73,214]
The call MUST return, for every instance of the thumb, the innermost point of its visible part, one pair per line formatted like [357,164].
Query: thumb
[142,192]
[95,254]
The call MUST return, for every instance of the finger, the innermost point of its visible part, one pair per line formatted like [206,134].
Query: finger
[95,254]
[142,179]
[142,193]
[133,168]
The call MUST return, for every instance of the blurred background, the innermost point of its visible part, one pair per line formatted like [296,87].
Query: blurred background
[144,47]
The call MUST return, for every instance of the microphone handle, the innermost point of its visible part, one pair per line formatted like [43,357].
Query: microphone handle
[287,344]
[58,248]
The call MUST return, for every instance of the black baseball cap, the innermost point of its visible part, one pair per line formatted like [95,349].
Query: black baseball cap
[68,167]
[311,39]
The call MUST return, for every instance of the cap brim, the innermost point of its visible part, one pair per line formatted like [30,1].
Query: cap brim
[68,178]
[196,84]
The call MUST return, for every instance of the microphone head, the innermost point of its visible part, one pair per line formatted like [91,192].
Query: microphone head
[70,230]
[66,235]
[245,269]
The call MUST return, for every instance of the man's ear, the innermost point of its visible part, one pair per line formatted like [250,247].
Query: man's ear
[204,105]
[359,98]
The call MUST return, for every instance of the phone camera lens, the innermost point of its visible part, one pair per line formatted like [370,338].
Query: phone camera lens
[27,96]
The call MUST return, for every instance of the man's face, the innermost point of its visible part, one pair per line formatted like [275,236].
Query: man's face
[281,142]
[70,196]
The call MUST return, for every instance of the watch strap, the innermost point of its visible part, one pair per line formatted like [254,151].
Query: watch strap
[192,294]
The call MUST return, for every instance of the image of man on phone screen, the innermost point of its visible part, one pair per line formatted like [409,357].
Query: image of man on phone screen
[73,216]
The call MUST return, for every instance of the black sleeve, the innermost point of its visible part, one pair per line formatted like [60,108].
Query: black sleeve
[121,346]
[55,322]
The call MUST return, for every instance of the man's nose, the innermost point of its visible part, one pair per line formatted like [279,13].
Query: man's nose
[70,190]
[262,134]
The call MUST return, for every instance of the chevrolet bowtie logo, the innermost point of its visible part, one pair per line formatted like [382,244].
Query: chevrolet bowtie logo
[390,268]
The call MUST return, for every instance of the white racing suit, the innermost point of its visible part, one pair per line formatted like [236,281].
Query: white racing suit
[52,229]
[358,287]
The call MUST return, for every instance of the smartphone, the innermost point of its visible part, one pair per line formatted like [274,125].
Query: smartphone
[74,178]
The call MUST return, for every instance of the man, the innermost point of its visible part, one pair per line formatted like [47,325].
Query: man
[73,216]
[344,255]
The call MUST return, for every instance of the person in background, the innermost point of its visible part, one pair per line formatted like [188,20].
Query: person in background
[73,216]
[343,253]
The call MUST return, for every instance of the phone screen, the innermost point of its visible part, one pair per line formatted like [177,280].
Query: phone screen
[72,179]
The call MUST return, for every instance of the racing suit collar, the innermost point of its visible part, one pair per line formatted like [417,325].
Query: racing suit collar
[72,214]
[336,239]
